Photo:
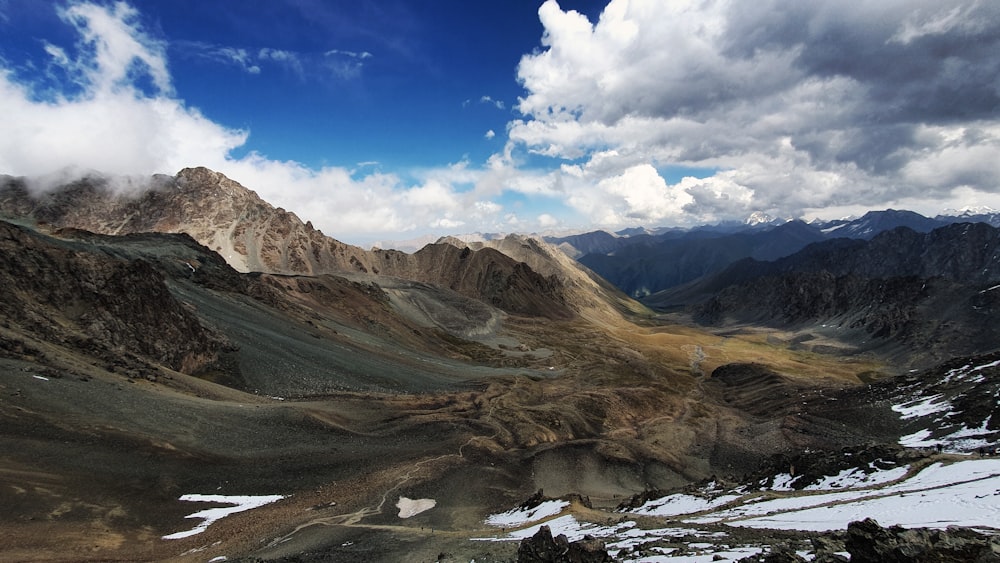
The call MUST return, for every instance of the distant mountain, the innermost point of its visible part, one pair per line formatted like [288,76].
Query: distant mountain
[657,263]
[971,215]
[596,242]
[875,222]
[934,294]
[647,263]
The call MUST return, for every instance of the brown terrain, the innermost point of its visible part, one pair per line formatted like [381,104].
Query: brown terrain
[192,339]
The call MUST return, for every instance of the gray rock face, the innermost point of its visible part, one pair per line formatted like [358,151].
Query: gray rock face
[110,306]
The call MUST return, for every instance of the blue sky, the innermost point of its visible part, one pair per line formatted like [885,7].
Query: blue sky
[382,120]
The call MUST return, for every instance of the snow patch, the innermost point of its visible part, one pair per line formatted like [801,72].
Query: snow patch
[411,507]
[672,505]
[966,493]
[240,503]
[922,407]
[856,478]
[521,516]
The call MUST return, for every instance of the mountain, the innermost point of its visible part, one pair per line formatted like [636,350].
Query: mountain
[596,242]
[971,215]
[928,295]
[644,264]
[875,222]
[655,264]
[254,236]
[139,369]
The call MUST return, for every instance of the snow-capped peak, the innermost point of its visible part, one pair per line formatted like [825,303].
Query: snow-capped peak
[970,211]
[758,218]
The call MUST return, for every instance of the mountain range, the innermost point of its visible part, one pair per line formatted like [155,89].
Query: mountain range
[187,345]
[645,263]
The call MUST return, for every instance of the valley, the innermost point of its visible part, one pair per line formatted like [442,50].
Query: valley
[138,364]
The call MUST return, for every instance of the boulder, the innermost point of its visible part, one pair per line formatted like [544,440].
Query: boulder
[543,548]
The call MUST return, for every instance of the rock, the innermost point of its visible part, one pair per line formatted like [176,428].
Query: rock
[782,554]
[827,550]
[868,542]
[543,548]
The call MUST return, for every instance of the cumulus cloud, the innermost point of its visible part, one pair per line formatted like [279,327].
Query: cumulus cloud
[799,105]
[799,109]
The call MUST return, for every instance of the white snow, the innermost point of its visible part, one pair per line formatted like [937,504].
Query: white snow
[707,556]
[964,439]
[518,516]
[783,482]
[209,516]
[922,407]
[856,478]
[966,493]
[673,505]
[411,507]
[919,439]
[964,371]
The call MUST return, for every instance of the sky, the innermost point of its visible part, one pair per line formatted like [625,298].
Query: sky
[391,120]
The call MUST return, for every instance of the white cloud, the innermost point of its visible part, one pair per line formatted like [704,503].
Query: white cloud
[490,134]
[116,48]
[799,106]
[499,104]
[346,64]
[547,221]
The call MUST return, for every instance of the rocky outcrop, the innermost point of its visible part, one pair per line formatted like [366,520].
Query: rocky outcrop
[484,274]
[543,548]
[109,307]
[868,542]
